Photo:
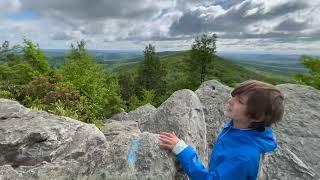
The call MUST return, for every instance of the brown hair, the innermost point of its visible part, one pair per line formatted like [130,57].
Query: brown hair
[265,102]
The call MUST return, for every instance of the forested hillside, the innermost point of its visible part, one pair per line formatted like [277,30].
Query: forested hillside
[83,88]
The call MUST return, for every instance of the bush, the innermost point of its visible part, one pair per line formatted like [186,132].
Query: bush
[5,94]
[313,77]
[147,97]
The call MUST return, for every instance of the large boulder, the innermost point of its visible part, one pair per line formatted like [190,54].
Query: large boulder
[214,96]
[183,114]
[112,128]
[138,156]
[140,114]
[39,145]
[298,135]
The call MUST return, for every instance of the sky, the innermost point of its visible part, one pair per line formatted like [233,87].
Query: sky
[241,25]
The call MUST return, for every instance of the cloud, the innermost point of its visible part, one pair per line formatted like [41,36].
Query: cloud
[8,7]
[291,25]
[236,19]
[61,36]
[167,23]
[98,9]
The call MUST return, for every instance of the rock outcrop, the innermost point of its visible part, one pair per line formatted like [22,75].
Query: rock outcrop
[213,95]
[298,134]
[39,145]
[182,113]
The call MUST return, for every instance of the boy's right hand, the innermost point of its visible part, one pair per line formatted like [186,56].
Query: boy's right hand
[168,140]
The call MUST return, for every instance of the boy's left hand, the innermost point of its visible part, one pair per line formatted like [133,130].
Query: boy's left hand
[168,140]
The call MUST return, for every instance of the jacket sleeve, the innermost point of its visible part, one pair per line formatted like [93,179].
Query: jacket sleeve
[234,168]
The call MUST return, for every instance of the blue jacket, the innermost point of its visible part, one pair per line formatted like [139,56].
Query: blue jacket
[236,155]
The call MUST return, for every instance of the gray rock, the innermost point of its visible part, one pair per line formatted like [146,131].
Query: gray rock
[213,95]
[284,164]
[298,135]
[38,145]
[122,116]
[140,115]
[113,128]
[138,156]
[183,114]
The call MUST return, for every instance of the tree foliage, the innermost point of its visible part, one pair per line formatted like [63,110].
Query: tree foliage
[313,77]
[34,56]
[151,72]
[147,97]
[102,91]
[127,86]
[79,89]
[201,56]
[21,63]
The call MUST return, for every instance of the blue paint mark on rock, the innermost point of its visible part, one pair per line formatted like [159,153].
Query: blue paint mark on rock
[132,157]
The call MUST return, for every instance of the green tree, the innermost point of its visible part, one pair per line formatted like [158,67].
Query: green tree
[14,70]
[151,72]
[34,56]
[147,97]
[9,55]
[313,77]
[4,51]
[88,77]
[201,57]
[20,63]
[126,82]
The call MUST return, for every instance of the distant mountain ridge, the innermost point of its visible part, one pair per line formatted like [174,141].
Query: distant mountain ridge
[285,63]
[279,63]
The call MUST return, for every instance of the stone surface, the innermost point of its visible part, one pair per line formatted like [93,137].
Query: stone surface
[38,145]
[113,128]
[138,156]
[183,114]
[298,134]
[140,114]
[213,95]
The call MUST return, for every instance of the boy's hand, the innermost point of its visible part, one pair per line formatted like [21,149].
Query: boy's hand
[168,140]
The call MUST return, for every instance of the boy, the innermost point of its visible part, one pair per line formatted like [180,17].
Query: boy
[252,109]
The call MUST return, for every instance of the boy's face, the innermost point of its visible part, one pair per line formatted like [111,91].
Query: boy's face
[236,108]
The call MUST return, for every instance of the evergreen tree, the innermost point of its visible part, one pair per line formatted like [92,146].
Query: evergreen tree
[151,72]
[126,82]
[201,57]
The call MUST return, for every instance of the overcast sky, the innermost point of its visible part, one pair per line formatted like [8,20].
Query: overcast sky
[241,25]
